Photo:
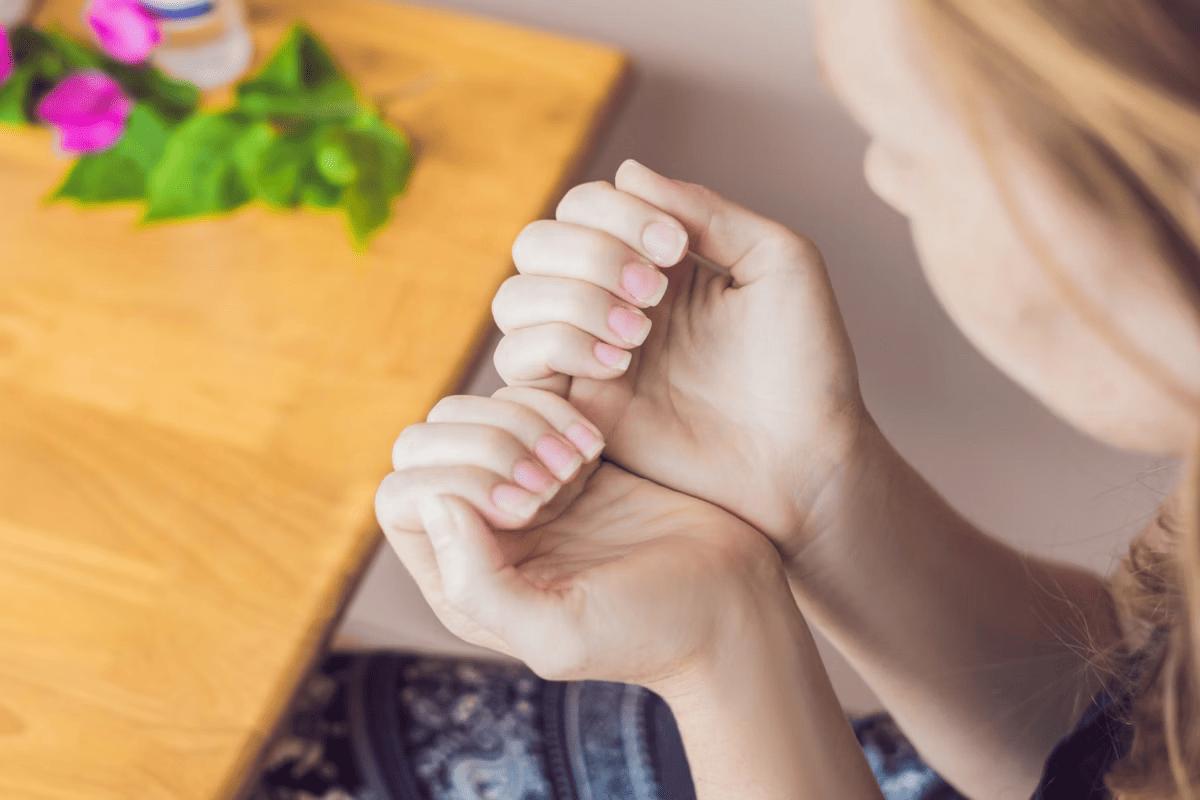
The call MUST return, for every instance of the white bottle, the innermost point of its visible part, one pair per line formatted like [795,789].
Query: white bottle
[14,12]
[204,41]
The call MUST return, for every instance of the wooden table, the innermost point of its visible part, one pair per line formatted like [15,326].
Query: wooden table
[194,417]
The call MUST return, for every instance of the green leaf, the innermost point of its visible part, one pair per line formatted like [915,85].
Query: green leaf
[316,191]
[51,56]
[367,209]
[73,55]
[392,147]
[278,177]
[381,157]
[119,173]
[15,96]
[248,151]
[335,157]
[199,171]
[173,99]
[300,80]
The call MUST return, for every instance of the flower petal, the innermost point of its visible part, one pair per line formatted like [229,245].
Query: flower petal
[89,109]
[6,56]
[81,98]
[100,135]
[126,30]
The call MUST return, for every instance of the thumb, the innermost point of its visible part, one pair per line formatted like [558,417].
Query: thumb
[720,230]
[477,580]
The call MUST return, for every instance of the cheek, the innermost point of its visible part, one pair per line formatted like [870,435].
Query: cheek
[1004,302]
[984,282]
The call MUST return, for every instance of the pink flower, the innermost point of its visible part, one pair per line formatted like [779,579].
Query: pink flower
[6,56]
[126,30]
[88,109]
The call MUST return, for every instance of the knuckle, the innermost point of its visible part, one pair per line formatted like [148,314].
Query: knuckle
[578,198]
[530,238]
[517,415]
[557,339]
[505,298]
[510,394]
[449,407]
[579,302]
[701,195]
[790,246]
[388,498]
[523,400]
[595,249]
[502,358]
[495,440]
[404,442]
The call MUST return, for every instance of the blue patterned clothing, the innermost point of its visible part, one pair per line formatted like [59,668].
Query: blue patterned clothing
[396,727]
[387,726]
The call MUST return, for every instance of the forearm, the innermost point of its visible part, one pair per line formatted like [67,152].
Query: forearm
[983,655]
[760,721]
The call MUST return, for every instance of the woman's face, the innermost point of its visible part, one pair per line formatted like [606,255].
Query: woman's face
[925,163]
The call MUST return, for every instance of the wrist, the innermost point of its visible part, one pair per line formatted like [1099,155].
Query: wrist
[762,633]
[822,507]
[759,718]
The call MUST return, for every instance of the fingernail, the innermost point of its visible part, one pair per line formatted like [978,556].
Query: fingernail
[665,243]
[644,282]
[515,501]
[631,325]
[530,475]
[611,356]
[555,454]
[586,439]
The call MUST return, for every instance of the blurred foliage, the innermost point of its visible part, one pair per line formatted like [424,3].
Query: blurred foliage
[297,135]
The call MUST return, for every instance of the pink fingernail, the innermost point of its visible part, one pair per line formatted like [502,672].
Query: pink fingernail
[586,439]
[644,282]
[613,357]
[665,243]
[558,456]
[514,500]
[631,325]
[530,475]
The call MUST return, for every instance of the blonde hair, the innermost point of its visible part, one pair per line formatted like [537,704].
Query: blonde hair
[1109,92]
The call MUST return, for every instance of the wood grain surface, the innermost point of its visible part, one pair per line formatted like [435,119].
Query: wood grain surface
[194,417]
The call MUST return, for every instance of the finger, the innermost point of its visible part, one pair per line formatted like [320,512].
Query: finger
[720,230]
[559,413]
[540,352]
[476,578]
[533,416]
[524,301]
[449,444]
[416,554]
[504,504]
[646,229]
[561,250]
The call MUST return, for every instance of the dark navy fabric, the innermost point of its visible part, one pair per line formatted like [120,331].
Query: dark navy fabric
[1077,766]
[387,726]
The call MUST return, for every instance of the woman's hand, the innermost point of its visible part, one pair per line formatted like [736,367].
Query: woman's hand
[743,390]
[580,570]
[586,571]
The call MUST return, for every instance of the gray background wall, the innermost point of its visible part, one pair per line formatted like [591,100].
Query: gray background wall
[727,95]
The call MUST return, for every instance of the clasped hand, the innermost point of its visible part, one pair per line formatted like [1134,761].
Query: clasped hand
[734,385]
